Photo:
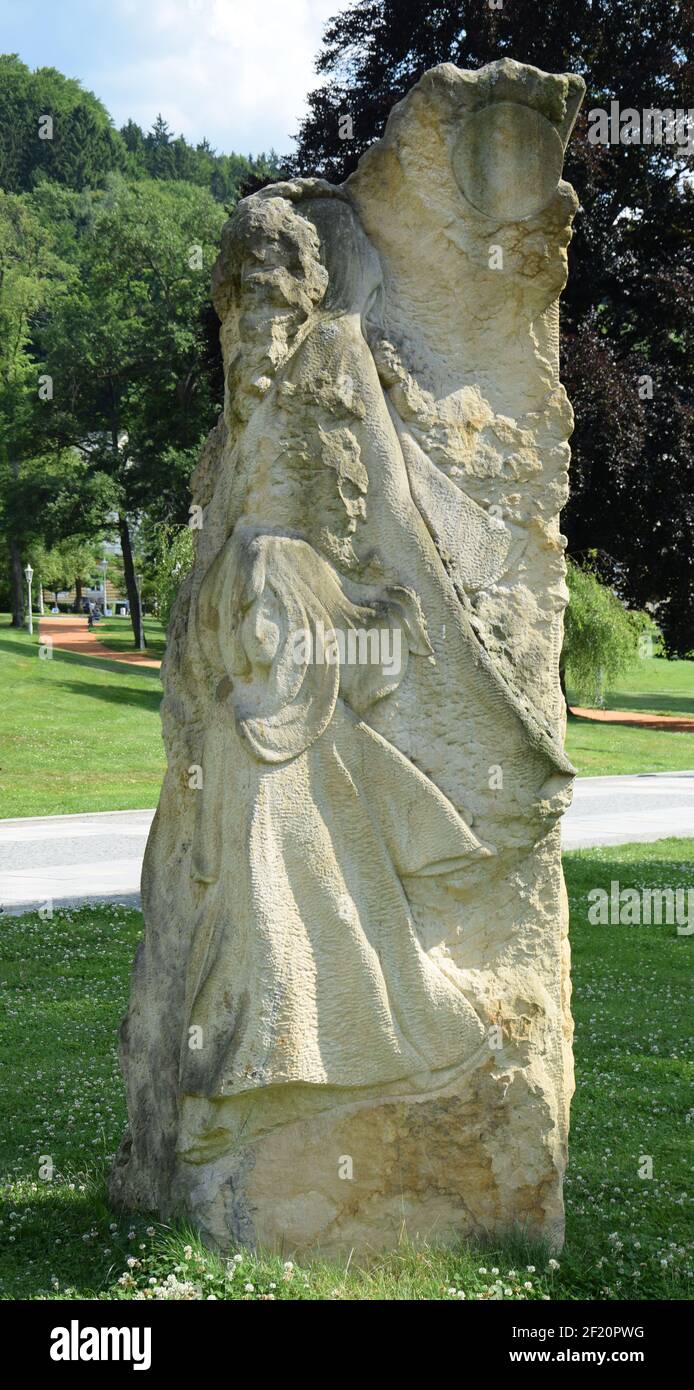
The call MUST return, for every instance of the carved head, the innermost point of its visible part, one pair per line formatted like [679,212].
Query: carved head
[288,254]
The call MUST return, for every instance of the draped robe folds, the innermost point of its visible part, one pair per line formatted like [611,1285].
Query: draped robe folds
[307,966]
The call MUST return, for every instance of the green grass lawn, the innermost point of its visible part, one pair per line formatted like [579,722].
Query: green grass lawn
[83,734]
[65,983]
[79,733]
[608,750]
[651,686]
[117,635]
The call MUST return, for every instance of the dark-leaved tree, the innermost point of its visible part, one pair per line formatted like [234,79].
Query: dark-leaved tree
[627,357]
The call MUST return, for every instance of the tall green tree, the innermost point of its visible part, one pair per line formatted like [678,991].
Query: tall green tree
[47,492]
[626,313]
[57,568]
[28,273]
[127,350]
[50,127]
[601,637]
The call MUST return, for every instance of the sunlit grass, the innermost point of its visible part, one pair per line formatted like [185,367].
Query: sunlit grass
[613,750]
[651,686]
[79,734]
[82,734]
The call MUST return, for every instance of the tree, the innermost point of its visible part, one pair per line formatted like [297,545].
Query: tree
[63,565]
[47,492]
[104,297]
[626,317]
[601,638]
[27,275]
[127,348]
[159,151]
[169,560]
[77,146]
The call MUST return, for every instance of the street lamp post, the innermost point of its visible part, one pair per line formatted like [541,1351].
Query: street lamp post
[29,575]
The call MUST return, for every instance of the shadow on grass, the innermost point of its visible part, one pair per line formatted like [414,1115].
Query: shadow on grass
[115,695]
[667,704]
[17,646]
[120,645]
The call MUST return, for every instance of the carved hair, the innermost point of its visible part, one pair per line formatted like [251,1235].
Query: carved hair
[300,694]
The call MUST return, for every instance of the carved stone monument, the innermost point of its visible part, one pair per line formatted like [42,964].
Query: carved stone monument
[350,1010]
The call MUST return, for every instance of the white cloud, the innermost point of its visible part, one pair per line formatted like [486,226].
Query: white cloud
[236,71]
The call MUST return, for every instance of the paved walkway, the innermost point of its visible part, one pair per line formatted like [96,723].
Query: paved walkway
[639,807]
[69,633]
[76,859]
[69,860]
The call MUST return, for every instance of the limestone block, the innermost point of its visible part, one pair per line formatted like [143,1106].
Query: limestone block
[349,1013]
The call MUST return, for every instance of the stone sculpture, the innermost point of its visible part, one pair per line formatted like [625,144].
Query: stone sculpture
[350,1010]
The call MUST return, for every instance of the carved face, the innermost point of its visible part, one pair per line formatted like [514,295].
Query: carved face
[261,629]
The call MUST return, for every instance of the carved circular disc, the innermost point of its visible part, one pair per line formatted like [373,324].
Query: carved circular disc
[507,160]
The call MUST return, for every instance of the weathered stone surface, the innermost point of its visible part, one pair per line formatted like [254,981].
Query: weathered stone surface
[350,1010]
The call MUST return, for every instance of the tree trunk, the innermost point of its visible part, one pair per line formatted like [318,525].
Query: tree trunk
[16,576]
[77,605]
[562,682]
[129,575]
[17,583]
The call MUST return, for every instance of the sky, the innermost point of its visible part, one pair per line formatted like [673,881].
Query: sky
[235,71]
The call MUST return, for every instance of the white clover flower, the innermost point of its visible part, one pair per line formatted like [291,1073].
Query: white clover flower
[249,1288]
[553,1264]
